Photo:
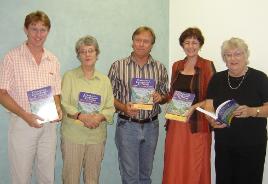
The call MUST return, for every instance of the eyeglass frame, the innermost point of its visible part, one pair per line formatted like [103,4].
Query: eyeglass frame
[235,54]
[86,51]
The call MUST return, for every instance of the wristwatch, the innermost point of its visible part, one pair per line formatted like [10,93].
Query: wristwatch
[75,116]
[258,112]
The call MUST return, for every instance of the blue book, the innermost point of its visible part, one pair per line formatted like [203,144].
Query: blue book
[42,104]
[224,112]
[89,103]
[179,105]
[142,93]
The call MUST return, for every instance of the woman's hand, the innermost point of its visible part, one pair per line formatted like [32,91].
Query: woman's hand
[215,124]
[244,111]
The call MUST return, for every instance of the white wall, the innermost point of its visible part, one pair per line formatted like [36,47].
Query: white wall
[219,21]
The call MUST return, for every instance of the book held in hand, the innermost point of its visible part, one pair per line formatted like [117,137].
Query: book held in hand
[224,112]
[178,106]
[42,104]
[142,93]
[88,103]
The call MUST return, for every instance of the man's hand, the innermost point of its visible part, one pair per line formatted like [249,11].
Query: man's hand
[157,98]
[31,120]
[130,110]
[59,111]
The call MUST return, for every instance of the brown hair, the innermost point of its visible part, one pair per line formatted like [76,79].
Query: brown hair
[35,17]
[144,29]
[192,32]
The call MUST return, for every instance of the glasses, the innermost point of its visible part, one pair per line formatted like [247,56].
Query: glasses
[36,30]
[89,51]
[235,55]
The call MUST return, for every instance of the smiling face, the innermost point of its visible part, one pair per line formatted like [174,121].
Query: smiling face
[191,47]
[142,44]
[87,55]
[37,33]
[236,61]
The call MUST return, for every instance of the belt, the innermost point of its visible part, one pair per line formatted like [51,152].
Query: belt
[140,121]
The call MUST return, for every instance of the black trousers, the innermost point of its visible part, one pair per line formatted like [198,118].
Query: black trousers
[239,164]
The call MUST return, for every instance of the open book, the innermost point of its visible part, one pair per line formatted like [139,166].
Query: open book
[179,105]
[42,104]
[224,112]
[142,93]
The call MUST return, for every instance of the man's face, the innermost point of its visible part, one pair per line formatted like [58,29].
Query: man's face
[142,44]
[37,33]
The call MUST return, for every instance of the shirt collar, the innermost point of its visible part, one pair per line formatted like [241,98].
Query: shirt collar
[80,74]
[46,55]
[132,59]
[197,65]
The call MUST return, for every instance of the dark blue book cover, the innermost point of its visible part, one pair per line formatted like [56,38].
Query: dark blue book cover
[89,102]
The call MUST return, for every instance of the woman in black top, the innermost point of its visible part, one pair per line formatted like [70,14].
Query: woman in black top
[240,149]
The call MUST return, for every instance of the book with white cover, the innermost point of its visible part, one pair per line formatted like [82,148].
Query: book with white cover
[42,104]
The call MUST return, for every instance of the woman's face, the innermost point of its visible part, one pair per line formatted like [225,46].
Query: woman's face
[88,55]
[236,61]
[191,47]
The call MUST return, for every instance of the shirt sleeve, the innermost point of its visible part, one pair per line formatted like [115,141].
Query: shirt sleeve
[113,78]
[263,87]
[163,82]
[212,85]
[57,86]
[66,87]
[108,109]
[6,73]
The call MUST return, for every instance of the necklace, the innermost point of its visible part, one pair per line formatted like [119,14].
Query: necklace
[229,83]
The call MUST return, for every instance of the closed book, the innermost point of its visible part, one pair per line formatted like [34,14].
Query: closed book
[88,103]
[42,104]
[179,105]
[142,93]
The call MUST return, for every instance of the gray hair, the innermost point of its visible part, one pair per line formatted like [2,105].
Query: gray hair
[87,41]
[235,43]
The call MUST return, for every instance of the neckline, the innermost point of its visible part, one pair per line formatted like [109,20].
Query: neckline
[240,83]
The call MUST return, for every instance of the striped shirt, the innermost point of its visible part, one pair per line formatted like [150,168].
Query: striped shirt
[123,71]
[20,73]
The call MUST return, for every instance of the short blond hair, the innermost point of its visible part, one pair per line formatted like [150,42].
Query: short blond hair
[144,29]
[234,43]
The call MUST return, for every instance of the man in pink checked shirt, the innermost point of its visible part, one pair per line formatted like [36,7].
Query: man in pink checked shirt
[27,67]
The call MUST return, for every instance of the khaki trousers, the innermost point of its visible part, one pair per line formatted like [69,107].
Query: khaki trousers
[81,156]
[26,146]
